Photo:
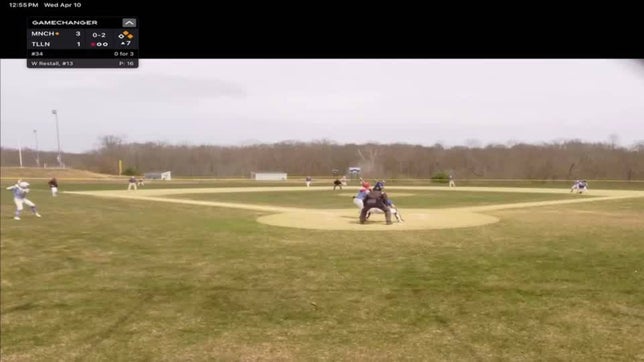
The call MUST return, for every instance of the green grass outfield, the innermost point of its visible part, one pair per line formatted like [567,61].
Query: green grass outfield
[131,280]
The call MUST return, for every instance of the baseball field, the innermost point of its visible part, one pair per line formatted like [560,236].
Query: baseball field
[235,270]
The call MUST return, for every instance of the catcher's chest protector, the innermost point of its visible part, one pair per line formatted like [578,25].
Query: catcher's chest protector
[374,198]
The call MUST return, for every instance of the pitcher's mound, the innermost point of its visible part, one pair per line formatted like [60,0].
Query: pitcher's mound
[348,219]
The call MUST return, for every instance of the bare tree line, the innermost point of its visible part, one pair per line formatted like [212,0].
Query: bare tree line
[561,160]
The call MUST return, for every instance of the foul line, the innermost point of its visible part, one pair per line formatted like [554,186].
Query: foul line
[155,195]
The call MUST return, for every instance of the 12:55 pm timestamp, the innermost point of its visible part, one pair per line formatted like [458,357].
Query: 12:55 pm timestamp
[46,4]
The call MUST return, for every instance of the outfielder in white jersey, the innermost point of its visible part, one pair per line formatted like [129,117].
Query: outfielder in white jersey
[20,191]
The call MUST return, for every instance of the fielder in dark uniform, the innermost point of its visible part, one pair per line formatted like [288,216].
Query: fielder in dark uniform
[375,199]
[53,185]
[337,183]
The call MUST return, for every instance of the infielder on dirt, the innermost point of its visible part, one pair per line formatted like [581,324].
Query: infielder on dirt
[337,183]
[20,190]
[131,183]
[579,186]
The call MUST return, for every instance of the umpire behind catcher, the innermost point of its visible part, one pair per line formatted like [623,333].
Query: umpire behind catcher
[378,199]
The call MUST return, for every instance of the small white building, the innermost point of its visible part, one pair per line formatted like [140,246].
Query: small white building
[166,175]
[268,176]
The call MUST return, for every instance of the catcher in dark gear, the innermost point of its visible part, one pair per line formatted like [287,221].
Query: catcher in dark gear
[375,199]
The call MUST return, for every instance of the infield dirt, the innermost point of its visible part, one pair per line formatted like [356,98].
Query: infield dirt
[347,219]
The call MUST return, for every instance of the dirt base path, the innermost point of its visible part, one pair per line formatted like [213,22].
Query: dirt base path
[347,219]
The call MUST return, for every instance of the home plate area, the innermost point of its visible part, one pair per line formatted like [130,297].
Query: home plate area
[347,219]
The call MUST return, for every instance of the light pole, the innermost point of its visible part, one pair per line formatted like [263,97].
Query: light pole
[60,158]
[20,152]
[37,150]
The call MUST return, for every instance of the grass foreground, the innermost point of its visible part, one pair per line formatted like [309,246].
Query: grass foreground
[125,280]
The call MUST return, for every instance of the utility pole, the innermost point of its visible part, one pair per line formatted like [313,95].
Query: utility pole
[20,152]
[37,150]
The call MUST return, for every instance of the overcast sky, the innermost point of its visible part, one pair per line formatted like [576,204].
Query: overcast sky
[232,102]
